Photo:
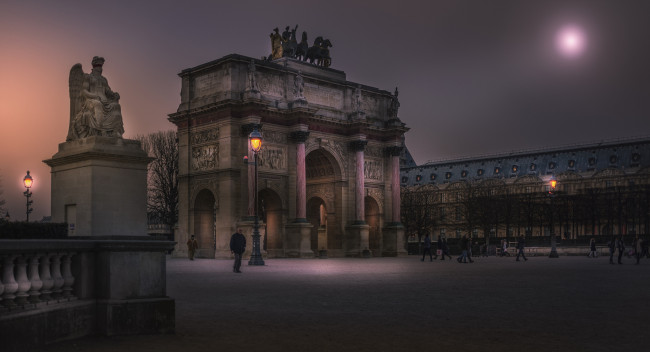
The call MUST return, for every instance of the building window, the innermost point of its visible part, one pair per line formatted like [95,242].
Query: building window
[592,161]
[552,165]
[448,175]
[458,233]
[572,163]
[418,178]
[533,167]
[463,173]
[515,168]
[497,170]
[613,159]
[529,189]
[433,177]
[480,172]
[475,233]
[459,214]
[443,232]
[443,213]
[405,179]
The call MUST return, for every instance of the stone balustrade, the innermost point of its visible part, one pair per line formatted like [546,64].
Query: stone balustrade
[32,278]
[95,285]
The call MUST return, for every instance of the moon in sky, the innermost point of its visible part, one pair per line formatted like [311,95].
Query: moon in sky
[571,41]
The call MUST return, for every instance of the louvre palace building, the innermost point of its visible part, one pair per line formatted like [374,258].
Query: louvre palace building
[601,189]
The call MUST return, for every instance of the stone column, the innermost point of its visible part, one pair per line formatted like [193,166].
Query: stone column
[394,153]
[300,137]
[360,211]
[394,243]
[299,231]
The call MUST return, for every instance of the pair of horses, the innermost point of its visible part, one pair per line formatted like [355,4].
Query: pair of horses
[319,52]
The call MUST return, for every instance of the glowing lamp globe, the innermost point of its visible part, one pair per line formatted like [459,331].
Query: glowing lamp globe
[28,180]
[553,183]
[256,140]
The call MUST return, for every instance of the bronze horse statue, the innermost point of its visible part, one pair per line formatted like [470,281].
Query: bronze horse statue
[320,52]
[303,46]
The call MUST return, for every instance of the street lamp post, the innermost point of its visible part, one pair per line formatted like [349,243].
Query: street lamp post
[551,196]
[28,181]
[255,139]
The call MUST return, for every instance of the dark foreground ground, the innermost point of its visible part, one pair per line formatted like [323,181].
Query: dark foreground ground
[401,304]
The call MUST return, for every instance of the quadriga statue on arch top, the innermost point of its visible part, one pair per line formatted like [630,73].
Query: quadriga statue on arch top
[94,107]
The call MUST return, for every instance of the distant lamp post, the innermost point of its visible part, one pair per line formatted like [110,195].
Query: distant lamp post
[255,139]
[28,181]
[551,196]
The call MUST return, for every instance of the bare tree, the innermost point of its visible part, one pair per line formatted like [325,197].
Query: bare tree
[162,178]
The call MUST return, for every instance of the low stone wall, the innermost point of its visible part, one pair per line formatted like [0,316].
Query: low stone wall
[561,250]
[52,290]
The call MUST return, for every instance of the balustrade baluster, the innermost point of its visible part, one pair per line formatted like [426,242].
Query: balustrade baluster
[34,278]
[55,269]
[20,271]
[11,286]
[68,279]
[46,277]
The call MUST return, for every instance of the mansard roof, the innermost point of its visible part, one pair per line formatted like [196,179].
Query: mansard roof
[586,160]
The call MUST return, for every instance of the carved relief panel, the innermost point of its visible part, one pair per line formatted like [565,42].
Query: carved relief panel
[273,158]
[205,157]
[372,169]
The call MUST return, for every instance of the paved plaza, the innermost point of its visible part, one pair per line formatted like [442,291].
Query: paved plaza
[400,304]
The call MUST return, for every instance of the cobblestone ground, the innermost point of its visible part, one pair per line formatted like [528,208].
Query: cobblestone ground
[400,304]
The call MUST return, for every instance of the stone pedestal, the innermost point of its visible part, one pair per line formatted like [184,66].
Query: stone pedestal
[394,242]
[299,240]
[357,241]
[99,187]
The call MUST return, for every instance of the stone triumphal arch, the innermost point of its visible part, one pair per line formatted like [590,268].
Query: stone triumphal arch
[328,169]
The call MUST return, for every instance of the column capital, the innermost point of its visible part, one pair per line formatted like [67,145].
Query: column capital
[358,146]
[299,136]
[394,150]
[250,127]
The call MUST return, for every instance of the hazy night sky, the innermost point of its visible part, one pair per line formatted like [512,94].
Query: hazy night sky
[475,77]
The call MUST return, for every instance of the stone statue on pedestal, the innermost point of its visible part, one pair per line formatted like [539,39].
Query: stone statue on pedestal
[299,87]
[94,108]
[276,44]
[394,105]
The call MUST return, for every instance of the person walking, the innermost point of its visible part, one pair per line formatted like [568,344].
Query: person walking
[427,247]
[521,244]
[638,244]
[237,247]
[612,249]
[621,248]
[592,248]
[463,246]
[469,249]
[192,246]
[504,247]
[444,249]
[644,248]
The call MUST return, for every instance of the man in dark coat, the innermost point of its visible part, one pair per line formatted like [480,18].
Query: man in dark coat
[521,244]
[237,247]
[427,248]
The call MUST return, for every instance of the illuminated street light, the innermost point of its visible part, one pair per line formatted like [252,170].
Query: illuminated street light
[255,139]
[551,196]
[28,181]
